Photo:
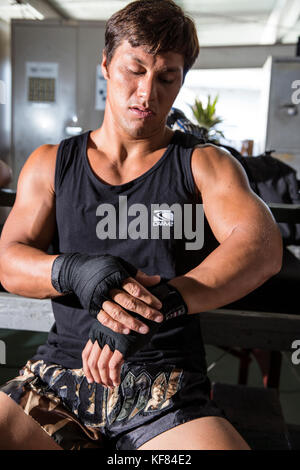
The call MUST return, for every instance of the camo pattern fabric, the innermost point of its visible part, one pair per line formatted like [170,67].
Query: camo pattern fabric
[77,415]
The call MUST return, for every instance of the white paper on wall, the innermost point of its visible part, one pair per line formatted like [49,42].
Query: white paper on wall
[41,81]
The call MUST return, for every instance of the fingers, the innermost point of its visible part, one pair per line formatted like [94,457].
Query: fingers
[114,317]
[135,289]
[86,360]
[134,298]
[115,365]
[109,366]
[102,365]
[146,280]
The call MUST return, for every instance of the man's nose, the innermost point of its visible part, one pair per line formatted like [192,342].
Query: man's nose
[147,88]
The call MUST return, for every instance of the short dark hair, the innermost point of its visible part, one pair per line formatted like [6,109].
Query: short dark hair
[159,25]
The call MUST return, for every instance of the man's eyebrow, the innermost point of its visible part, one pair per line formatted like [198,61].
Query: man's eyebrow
[137,59]
[165,69]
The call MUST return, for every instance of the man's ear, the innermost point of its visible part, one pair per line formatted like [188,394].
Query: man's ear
[104,66]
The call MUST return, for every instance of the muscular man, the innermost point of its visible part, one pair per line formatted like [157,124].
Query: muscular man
[113,201]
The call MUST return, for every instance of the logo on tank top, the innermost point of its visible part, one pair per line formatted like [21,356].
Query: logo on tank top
[163,218]
[156,221]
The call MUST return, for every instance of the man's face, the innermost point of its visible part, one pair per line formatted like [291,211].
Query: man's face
[141,88]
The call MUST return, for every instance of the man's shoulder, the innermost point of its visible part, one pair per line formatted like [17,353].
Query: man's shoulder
[210,162]
[213,156]
[209,155]
[40,165]
[44,155]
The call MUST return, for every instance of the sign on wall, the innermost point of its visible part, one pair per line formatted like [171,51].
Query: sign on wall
[41,78]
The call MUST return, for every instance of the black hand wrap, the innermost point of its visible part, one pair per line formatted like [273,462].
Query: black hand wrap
[90,277]
[126,344]
[173,305]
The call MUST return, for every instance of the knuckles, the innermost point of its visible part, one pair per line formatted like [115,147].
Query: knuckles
[104,320]
[129,304]
[134,289]
[92,363]
[150,314]
[115,313]
[114,366]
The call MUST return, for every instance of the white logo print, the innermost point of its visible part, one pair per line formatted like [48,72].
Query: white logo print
[164,218]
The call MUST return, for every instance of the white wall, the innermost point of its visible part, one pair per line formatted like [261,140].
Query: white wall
[238,105]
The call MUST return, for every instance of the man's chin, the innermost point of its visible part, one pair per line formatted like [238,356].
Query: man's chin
[144,130]
[140,132]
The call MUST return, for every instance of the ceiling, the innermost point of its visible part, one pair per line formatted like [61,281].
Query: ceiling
[219,22]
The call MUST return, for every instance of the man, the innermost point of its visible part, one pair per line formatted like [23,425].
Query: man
[114,201]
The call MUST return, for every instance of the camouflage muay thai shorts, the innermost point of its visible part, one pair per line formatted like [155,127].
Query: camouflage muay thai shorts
[77,415]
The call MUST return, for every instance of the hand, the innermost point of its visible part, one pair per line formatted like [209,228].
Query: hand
[105,352]
[94,278]
[102,365]
[134,297]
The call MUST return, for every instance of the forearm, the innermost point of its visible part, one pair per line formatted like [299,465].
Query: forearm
[26,271]
[231,271]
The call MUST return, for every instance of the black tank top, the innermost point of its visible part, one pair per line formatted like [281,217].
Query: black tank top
[130,221]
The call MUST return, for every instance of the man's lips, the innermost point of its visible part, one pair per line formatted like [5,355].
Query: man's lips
[141,112]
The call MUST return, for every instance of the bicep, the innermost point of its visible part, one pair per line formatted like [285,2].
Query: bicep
[228,201]
[31,220]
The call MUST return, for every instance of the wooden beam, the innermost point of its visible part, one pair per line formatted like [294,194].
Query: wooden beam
[288,213]
[248,329]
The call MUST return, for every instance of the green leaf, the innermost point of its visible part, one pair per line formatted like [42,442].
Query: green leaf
[206,115]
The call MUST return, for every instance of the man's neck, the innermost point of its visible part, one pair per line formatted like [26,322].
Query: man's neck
[118,145]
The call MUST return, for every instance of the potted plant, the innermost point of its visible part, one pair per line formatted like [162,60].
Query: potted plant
[206,117]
